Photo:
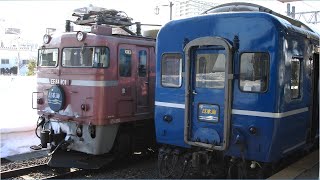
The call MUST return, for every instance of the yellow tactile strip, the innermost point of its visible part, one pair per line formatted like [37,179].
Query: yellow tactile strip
[299,167]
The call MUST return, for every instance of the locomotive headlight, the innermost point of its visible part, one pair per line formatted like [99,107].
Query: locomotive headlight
[46,39]
[81,36]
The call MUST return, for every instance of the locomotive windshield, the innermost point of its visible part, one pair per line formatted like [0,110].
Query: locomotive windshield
[47,57]
[86,57]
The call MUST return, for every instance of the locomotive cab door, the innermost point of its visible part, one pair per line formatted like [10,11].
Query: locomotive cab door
[125,105]
[142,84]
[208,88]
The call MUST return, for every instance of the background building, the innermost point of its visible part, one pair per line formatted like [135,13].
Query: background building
[190,8]
[15,51]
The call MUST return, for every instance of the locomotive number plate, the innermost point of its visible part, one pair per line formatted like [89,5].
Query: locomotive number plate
[60,81]
[208,112]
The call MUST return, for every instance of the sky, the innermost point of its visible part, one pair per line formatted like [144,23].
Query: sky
[33,17]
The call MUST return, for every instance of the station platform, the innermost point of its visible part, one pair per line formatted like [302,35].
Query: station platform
[305,168]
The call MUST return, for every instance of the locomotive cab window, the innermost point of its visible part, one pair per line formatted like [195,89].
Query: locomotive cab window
[86,57]
[295,78]
[47,57]
[125,63]
[101,57]
[77,57]
[254,72]
[171,70]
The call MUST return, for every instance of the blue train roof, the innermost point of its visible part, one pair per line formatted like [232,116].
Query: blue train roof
[248,10]
[242,7]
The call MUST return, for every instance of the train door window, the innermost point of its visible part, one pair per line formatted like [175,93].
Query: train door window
[171,70]
[210,70]
[125,63]
[142,68]
[101,57]
[48,57]
[254,72]
[295,78]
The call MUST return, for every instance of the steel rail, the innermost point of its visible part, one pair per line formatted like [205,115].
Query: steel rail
[59,174]
[65,175]
[22,171]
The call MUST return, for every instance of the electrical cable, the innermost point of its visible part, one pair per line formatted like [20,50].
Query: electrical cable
[309,5]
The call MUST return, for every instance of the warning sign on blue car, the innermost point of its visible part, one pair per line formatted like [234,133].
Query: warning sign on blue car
[208,112]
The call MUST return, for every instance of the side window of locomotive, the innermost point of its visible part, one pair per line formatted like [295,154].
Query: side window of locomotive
[48,57]
[295,78]
[77,57]
[125,63]
[101,57]
[171,70]
[210,70]
[254,72]
[142,67]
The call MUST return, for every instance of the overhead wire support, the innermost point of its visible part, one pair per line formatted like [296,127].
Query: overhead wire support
[310,16]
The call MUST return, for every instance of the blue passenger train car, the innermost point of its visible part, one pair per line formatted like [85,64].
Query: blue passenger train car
[236,91]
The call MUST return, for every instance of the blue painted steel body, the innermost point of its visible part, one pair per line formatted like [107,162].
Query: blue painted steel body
[276,135]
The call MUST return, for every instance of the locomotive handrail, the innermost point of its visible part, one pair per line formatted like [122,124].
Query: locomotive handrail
[33,99]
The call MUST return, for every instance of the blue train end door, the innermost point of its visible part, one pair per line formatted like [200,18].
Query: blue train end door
[207,97]
[208,88]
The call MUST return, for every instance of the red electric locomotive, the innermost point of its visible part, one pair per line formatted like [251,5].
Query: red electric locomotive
[95,91]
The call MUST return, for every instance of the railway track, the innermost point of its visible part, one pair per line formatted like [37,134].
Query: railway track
[42,171]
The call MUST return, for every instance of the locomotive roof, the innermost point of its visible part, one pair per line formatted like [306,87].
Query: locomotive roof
[133,37]
[66,37]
